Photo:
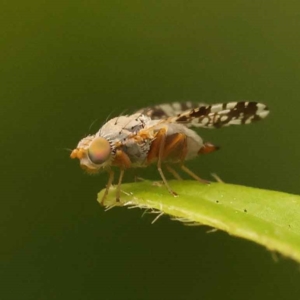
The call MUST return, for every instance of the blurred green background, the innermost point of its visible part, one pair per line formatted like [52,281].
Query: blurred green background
[67,64]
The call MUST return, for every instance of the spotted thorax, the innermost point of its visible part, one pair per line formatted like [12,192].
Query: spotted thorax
[161,135]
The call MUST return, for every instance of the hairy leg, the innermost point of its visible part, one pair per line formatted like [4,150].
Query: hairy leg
[173,172]
[109,183]
[193,175]
[118,193]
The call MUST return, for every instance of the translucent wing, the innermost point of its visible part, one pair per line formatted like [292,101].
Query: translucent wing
[221,115]
[164,111]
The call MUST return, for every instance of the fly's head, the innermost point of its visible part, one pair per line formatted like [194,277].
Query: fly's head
[95,153]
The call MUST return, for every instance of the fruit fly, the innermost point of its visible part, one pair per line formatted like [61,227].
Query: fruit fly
[160,134]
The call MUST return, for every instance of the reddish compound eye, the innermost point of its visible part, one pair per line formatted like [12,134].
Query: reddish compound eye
[99,151]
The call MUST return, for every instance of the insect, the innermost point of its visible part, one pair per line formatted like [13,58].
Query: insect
[160,134]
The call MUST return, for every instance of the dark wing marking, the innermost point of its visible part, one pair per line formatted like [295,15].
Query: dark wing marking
[221,115]
[164,111]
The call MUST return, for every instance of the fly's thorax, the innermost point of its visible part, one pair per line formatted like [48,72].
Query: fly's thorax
[137,149]
[122,127]
[94,153]
[126,133]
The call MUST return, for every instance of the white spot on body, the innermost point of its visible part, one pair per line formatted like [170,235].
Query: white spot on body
[188,104]
[249,120]
[260,106]
[224,118]
[263,114]
[231,105]
[167,108]
[225,112]
[236,122]
[205,121]
[216,108]
[177,106]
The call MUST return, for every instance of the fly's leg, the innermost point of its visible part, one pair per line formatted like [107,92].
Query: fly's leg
[217,178]
[193,175]
[138,178]
[178,140]
[109,183]
[181,139]
[206,148]
[161,138]
[176,144]
[123,162]
[188,171]
[173,172]
[118,193]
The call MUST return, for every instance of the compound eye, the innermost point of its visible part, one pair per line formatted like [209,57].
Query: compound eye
[99,151]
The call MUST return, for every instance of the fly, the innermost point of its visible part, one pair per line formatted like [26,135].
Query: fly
[160,135]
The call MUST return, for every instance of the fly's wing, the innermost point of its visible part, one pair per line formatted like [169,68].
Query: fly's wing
[221,115]
[164,111]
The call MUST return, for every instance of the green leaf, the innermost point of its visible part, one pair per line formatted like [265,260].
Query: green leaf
[266,217]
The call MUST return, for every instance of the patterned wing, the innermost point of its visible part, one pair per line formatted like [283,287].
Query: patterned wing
[164,111]
[221,115]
